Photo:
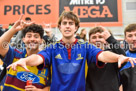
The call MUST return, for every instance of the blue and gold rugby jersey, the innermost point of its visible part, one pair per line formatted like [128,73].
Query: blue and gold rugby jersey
[16,82]
[68,64]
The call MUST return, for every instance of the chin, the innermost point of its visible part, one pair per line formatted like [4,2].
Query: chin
[67,36]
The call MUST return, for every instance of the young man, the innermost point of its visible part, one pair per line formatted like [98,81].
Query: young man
[32,38]
[68,57]
[105,78]
[128,74]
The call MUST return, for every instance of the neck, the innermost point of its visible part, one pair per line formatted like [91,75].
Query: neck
[30,51]
[69,40]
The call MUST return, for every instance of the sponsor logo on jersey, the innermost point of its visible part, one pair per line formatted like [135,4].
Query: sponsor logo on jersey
[24,76]
[58,56]
[79,57]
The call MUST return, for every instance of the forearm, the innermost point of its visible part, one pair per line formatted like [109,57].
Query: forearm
[5,39]
[34,60]
[115,46]
[107,56]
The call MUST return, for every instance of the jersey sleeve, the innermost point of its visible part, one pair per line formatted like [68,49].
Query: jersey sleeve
[92,55]
[46,55]
[8,59]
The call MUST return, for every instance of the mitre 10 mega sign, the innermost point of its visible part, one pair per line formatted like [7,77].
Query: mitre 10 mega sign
[90,12]
[103,12]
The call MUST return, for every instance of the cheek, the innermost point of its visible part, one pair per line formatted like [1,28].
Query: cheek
[128,40]
[103,41]
[92,41]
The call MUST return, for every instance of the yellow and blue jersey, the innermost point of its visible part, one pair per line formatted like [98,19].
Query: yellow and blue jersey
[68,64]
[16,80]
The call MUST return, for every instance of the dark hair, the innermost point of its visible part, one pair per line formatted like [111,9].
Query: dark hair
[28,18]
[69,15]
[35,28]
[130,28]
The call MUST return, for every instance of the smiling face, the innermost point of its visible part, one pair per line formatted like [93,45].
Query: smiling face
[97,40]
[32,36]
[32,40]
[130,37]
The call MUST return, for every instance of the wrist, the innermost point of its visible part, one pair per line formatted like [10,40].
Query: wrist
[119,56]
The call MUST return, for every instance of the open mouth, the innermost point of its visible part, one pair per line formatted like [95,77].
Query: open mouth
[67,31]
[98,44]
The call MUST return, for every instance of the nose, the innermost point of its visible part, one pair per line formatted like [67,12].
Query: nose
[134,37]
[67,25]
[97,39]
[32,38]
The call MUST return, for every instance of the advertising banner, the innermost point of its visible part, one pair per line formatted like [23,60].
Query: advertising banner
[90,12]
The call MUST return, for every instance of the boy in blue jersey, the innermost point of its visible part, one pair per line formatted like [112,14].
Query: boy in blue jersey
[68,57]
[32,38]
[127,73]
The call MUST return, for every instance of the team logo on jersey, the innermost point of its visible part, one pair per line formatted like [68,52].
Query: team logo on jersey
[58,56]
[79,57]
[24,76]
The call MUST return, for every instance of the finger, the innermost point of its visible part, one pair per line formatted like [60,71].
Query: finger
[21,17]
[30,23]
[103,28]
[131,61]
[134,60]
[9,66]
[28,89]
[28,86]
[26,68]
[119,63]
[14,67]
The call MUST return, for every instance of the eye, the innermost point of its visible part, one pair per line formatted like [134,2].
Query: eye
[64,23]
[94,37]
[28,36]
[36,36]
[100,37]
[130,35]
[70,23]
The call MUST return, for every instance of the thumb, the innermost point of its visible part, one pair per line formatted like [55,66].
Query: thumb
[120,61]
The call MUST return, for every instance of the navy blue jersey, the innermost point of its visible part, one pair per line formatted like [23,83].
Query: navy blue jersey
[128,74]
[68,64]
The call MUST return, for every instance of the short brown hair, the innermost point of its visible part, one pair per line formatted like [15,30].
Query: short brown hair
[69,15]
[130,28]
[95,30]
